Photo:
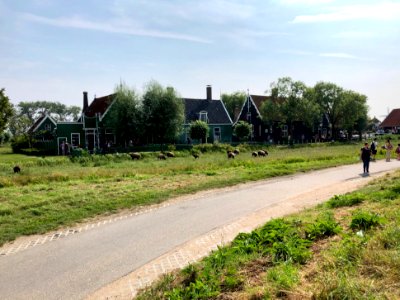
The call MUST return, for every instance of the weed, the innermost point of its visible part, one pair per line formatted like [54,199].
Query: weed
[345,200]
[324,226]
[365,220]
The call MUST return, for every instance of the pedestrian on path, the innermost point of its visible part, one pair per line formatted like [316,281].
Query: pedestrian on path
[389,148]
[365,157]
[398,151]
[374,146]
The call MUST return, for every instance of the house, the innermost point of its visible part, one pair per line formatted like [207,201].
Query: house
[277,131]
[392,122]
[213,112]
[89,131]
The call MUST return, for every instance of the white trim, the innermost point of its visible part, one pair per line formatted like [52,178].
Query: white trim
[108,108]
[69,122]
[251,99]
[223,105]
[41,122]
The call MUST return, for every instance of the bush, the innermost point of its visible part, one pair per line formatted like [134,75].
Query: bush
[324,226]
[365,220]
[20,142]
[345,200]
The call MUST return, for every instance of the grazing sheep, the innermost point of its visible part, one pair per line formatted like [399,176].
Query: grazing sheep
[266,152]
[231,155]
[254,154]
[162,156]
[135,155]
[195,155]
[261,153]
[236,151]
[170,154]
[17,169]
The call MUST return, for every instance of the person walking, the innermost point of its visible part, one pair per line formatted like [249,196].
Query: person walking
[398,151]
[365,157]
[389,148]
[374,147]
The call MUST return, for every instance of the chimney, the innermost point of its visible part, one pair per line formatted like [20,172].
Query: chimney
[85,101]
[209,93]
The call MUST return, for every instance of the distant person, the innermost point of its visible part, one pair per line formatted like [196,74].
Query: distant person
[373,147]
[389,148]
[398,151]
[365,157]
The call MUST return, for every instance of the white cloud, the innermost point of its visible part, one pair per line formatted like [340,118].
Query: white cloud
[304,2]
[379,11]
[356,34]
[111,27]
[339,55]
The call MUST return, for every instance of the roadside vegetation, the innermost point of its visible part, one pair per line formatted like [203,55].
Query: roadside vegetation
[52,192]
[346,248]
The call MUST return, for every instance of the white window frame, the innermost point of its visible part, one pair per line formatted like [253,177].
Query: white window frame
[79,139]
[203,116]
[217,129]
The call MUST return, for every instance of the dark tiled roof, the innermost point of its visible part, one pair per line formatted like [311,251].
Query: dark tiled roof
[215,109]
[259,100]
[99,105]
[39,121]
[392,120]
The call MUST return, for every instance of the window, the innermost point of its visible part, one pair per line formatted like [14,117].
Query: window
[203,116]
[75,139]
[217,134]
[47,127]
[284,130]
[249,117]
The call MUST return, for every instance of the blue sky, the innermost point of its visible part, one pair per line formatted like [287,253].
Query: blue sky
[55,49]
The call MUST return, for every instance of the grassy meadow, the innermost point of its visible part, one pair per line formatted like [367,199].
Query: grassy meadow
[53,192]
[346,248]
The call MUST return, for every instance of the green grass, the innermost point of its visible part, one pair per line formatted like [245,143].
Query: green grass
[349,251]
[53,192]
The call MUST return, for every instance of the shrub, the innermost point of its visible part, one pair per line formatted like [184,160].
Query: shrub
[20,142]
[365,220]
[324,226]
[345,200]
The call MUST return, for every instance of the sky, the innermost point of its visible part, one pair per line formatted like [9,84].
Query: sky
[53,50]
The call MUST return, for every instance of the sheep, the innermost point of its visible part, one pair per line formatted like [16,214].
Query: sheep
[17,169]
[195,155]
[135,155]
[170,154]
[162,156]
[266,152]
[231,155]
[254,154]
[261,153]
[236,151]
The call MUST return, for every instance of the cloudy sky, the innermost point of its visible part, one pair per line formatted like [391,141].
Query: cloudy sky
[55,49]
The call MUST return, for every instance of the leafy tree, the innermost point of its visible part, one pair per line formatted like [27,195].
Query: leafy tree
[233,102]
[290,101]
[355,112]
[6,110]
[163,113]
[58,111]
[199,130]
[242,130]
[124,114]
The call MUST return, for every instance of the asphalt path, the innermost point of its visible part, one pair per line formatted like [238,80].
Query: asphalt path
[79,264]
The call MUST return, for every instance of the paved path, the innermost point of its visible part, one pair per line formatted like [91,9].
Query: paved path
[113,258]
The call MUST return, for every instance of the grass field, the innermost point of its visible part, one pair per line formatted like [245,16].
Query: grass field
[346,248]
[53,192]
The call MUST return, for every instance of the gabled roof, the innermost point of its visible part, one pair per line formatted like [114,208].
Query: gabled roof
[39,122]
[216,111]
[392,120]
[99,106]
[256,100]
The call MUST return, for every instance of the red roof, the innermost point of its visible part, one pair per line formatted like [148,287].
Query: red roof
[99,105]
[392,120]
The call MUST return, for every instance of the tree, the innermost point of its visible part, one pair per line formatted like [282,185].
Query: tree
[163,113]
[58,111]
[355,112]
[124,114]
[199,130]
[242,130]
[290,101]
[6,110]
[233,102]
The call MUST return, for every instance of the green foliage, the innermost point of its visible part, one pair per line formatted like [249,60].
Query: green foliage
[364,220]
[20,142]
[215,147]
[6,110]
[199,130]
[163,113]
[324,226]
[242,130]
[233,102]
[283,276]
[345,200]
